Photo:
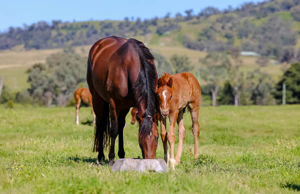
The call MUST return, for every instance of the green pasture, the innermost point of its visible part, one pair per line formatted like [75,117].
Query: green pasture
[253,149]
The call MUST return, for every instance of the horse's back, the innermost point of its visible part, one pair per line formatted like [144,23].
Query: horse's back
[112,64]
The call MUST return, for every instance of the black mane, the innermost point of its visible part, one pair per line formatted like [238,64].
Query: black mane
[145,85]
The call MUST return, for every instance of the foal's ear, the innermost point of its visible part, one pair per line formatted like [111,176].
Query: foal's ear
[170,83]
[160,83]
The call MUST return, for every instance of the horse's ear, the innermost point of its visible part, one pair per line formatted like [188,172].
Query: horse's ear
[159,83]
[139,118]
[170,83]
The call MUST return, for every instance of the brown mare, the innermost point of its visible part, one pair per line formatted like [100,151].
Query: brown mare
[121,74]
[84,95]
[176,92]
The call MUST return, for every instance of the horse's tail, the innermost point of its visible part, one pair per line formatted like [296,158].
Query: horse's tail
[102,130]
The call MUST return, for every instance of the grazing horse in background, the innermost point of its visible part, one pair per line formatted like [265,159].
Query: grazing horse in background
[176,92]
[121,74]
[134,112]
[84,95]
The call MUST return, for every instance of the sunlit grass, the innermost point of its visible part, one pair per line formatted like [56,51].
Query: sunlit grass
[249,149]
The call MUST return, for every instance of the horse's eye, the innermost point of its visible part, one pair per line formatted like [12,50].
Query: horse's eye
[171,97]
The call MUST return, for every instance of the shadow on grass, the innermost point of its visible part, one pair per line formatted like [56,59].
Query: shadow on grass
[292,186]
[87,122]
[88,160]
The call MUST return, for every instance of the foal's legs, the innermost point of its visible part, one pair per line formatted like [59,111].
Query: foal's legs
[171,137]
[194,109]
[181,134]
[164,138]
[77,100]
[121,124]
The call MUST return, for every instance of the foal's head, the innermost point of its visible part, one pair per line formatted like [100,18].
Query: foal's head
[164,93]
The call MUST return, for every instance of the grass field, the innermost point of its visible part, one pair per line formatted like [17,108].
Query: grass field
[251,149]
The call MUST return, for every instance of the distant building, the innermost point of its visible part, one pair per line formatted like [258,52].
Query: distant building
[249,53]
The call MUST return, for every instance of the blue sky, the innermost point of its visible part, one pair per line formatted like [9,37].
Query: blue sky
[16,13]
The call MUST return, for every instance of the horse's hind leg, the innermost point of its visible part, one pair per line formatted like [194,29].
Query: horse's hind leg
[101,109]
[181,134]
[121,124]
[195,127]
[114,130]
[77,100]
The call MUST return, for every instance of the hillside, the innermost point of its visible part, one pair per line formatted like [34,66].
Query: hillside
[270,28]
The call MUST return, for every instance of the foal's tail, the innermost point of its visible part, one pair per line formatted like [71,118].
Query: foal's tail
[102,130]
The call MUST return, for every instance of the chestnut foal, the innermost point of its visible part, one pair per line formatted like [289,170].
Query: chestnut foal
[176,92]
[84,95]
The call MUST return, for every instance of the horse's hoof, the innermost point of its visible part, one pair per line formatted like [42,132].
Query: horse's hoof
[100,163]
[172,163]
[111,162]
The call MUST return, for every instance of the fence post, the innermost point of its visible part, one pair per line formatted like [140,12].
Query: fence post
[283,94]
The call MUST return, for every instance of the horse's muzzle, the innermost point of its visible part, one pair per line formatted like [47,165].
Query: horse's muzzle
[164,113]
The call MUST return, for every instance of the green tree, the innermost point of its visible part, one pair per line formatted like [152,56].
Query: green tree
[261,92]
[291,78]
[23,97]
[235,76]
[56,80]
[226,95]
[215,72]
[180,63]
[6,95]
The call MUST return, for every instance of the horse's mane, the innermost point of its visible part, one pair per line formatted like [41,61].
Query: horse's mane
[145,85]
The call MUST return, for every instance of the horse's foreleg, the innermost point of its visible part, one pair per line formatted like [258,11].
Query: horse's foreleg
[164,138]
[121,124]
[181,134]
[196,131]
[77,111]
[171,138]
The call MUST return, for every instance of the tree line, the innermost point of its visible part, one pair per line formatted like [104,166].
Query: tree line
[223,81]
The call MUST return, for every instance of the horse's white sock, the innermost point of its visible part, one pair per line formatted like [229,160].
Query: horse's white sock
[172,163]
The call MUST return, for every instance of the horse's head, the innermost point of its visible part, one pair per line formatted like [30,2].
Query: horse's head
[164,93]
[148,141]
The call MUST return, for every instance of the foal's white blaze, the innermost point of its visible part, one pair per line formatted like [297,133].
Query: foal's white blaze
[164,95]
